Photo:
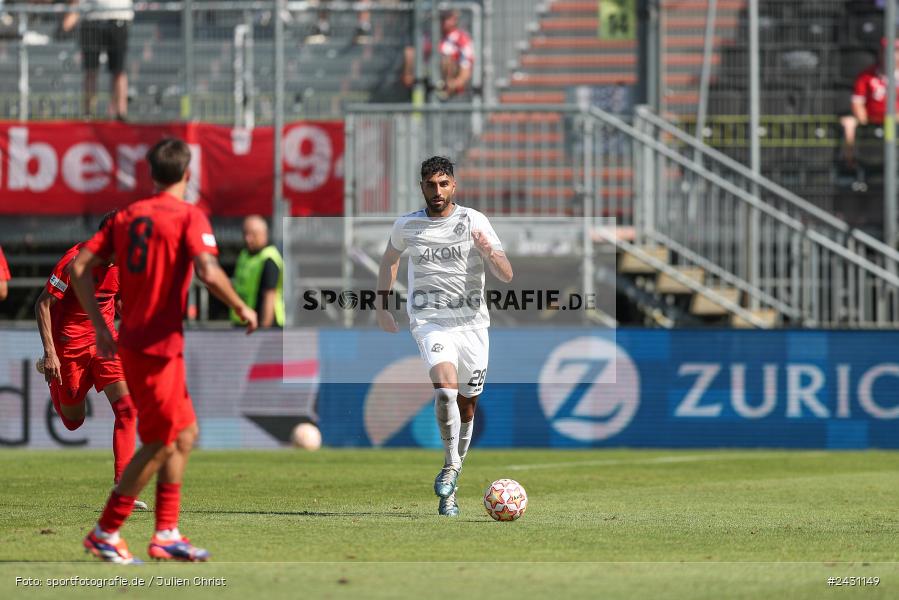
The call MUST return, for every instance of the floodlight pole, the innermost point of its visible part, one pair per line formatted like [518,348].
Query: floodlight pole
[649,44]
[754,223]
[278,208]
[187,34]
[889,129]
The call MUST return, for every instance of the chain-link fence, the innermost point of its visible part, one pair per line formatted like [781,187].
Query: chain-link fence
[216,61]
[810,55]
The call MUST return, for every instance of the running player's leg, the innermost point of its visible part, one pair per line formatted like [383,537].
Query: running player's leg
[167,542]
[175,417]
[104,540]
[444,378]
[69,395]
[474,354]
[438,350]
[109,378]
[439,353]
[124,431]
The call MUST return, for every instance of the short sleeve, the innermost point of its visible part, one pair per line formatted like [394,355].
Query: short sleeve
[101,243]
[270,275]
[199,236]
[480,223]
[396,236]
[4,268]
[60,278]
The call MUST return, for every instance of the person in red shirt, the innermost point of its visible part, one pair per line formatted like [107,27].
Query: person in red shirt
[456,57]
[70,364]
[869,100]
[157,243]
[4,276]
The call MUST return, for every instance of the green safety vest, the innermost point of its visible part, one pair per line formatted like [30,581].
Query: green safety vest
[248,276]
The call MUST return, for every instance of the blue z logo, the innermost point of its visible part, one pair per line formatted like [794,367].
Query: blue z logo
[595,367]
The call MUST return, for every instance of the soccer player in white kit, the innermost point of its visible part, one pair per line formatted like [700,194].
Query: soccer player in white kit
[448,247]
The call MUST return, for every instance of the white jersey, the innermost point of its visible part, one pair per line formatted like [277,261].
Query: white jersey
[446,272]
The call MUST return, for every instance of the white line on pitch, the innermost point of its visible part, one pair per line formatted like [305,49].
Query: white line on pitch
[659,460]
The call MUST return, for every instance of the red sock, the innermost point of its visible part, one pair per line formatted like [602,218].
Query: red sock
[124,434]
[168,504]
[118,508]
[69,423]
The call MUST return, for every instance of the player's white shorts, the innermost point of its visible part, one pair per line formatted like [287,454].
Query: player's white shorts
[468,350]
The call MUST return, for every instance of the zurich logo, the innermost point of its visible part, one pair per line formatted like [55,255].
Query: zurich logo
[589,389]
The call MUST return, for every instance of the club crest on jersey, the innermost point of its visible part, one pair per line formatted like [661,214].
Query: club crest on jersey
[437,348]
[440,254]
[459,229]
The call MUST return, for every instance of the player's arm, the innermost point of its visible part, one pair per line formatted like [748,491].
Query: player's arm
[457,84]
[45,328]
[82,280]
[408,66]
[4,289]
[496,259]
[859,95]
[208,270]
[71,18]
[859,110]
[267,309]
[390,264]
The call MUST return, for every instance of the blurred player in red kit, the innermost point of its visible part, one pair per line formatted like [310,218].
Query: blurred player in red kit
[156,242]
[70,363]
[4,276]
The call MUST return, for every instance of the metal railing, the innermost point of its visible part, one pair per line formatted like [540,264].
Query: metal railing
[745,232]
[751,233]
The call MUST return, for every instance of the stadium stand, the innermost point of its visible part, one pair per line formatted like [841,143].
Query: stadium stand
[321,79]
[810,56]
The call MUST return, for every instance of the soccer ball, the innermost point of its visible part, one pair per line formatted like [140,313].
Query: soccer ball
[505,500]
[306,436]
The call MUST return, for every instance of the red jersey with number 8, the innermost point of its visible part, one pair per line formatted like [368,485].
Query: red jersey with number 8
[154,242]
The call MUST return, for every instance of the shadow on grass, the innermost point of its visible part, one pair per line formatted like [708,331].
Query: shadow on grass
[305,513]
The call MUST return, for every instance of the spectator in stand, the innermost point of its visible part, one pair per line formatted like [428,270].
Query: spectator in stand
[4,276]
[104,28]
[456,57]
[869,100]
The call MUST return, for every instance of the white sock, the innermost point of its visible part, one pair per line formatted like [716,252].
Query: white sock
[449,422]
[107,536]
[465,438]
[168,534]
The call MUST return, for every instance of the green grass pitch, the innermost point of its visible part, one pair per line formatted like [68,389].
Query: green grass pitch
[363,524]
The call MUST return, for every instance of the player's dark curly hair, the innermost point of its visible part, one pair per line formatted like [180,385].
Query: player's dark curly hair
[106,219]
[435,166]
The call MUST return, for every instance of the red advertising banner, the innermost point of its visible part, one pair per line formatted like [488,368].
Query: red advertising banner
[70,168]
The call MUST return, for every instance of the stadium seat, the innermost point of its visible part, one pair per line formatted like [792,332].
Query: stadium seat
[865,27]
[852,62]
[819,24]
